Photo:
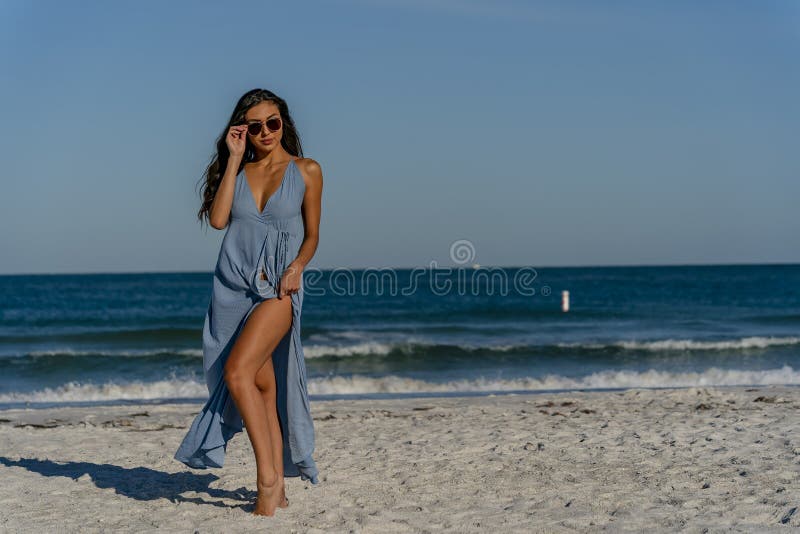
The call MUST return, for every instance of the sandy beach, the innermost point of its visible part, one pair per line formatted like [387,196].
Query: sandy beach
[698,459]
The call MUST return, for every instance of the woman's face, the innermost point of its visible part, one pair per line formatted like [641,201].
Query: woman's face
[265,140]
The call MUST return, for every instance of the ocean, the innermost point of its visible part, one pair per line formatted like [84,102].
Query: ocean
[122,338]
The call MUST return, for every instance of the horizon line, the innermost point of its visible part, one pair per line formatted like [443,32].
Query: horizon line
[479,266]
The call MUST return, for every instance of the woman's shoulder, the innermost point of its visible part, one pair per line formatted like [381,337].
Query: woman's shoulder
[310,169]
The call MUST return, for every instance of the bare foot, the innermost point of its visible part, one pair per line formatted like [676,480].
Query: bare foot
[270,496]
[284,502]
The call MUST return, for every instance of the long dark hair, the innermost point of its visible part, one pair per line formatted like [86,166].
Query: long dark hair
[290,141]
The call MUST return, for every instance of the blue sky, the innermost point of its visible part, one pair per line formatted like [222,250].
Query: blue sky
[546,133]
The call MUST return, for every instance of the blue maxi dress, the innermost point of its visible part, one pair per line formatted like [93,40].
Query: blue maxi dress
[255,243]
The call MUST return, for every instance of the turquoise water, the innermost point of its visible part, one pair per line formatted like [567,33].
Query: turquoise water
[117,338]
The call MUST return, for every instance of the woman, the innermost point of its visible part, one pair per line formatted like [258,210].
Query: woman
[269,197]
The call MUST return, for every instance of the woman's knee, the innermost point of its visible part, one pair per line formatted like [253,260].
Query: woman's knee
[236,376]
[265,378]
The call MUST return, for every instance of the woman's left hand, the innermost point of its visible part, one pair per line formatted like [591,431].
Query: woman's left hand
[290,280]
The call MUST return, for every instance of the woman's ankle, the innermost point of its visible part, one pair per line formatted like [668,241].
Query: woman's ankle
[268,479]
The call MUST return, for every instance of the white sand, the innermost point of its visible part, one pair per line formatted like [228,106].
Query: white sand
[699,459]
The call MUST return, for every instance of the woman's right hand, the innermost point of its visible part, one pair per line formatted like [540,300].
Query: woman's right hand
[237,140]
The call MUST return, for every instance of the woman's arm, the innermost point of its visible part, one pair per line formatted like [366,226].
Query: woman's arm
[220,211]
[312,207]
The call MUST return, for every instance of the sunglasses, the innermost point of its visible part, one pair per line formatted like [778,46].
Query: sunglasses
[255,127]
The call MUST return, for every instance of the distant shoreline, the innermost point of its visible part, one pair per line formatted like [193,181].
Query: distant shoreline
[374,396]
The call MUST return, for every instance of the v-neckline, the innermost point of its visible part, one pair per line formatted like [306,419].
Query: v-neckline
[253,197]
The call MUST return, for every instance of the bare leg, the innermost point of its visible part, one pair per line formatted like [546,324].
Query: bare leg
[266,383]
[265,327]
